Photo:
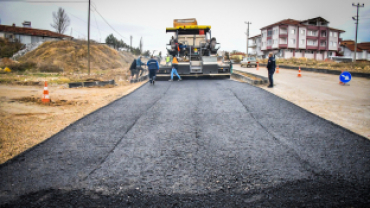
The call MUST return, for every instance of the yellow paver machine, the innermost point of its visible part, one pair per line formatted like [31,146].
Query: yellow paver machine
[195,48]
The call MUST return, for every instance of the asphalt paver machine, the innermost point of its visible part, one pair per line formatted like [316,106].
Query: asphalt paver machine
[195,48]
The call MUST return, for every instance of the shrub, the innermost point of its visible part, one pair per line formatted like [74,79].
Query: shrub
[7,69]
[49,68]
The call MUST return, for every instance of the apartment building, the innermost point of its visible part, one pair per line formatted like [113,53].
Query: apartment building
[255,46]
[312,38]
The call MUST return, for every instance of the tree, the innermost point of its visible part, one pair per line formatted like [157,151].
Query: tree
[111,40]
[146,53]
[61,21]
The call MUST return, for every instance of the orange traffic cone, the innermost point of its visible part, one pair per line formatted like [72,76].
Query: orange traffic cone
[277,69]
[299,72]
[258,66]
[46,97]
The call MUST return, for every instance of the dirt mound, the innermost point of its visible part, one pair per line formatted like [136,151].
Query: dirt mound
[72,56]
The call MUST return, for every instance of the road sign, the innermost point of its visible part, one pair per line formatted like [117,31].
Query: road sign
[345,77]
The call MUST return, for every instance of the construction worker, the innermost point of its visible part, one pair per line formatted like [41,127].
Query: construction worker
[138,67]
[175,66]
[132,70]
[153,67]
[168,60]
[271,65]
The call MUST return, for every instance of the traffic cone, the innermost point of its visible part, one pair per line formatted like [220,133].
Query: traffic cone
[277,69]
[299,72]
[258,66]
[45,96]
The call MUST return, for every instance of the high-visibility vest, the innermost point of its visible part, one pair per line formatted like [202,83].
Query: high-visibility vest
[174,60]
[167,59]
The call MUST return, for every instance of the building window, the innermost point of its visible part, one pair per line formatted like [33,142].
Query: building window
[292,41]
[269,42]
[331,43]
[335,44]
[303,32]
[293,31]
[302,42]
[335,34]
[269,33]
[323,34]
[331,34]
[310,42]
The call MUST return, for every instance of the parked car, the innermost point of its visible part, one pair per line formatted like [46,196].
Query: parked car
[249,61]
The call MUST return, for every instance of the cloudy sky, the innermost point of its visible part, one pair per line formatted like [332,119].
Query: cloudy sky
[148,19]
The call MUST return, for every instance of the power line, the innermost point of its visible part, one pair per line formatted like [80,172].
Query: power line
[97,26]
[48,1]
[107,22]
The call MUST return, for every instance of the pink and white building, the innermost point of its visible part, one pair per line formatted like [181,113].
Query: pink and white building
[312,38]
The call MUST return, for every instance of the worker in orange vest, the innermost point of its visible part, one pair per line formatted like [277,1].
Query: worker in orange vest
[175,66]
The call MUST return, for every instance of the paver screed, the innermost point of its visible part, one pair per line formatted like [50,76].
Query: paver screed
[196,143]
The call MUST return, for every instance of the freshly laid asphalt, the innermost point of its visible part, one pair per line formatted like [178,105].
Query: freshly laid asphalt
[195,143]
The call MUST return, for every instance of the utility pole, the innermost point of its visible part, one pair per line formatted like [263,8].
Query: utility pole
[88,41]
[356,19]
[130,42]
[247,33]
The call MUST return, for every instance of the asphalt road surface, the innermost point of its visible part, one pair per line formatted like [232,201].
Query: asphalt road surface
[195,143]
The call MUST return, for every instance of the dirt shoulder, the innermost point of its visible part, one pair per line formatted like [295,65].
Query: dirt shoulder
[26,122]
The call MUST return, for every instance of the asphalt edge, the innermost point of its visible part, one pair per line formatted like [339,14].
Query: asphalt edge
[323,71]
[331,122]
[71,124]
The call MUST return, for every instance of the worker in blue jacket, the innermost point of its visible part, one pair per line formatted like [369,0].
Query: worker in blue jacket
[139,69]
[271,65]
[153,67]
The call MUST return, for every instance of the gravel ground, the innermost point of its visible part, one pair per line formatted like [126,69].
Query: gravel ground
[195,143]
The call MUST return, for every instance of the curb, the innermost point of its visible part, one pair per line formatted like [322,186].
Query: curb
[247,79]
[324,71]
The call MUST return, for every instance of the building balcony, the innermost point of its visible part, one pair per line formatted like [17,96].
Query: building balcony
[312,47]
[312,37]
[283,35]
[283,45]
[322,47]
[252,45]
[312,27]
[323,37]
[268,47]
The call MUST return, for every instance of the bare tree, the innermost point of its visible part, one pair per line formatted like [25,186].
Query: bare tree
[61,21]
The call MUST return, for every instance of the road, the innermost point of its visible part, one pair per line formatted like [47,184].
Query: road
[195,143]
[321,94]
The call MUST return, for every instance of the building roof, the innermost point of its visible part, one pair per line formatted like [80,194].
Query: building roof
[299,23]
[284,22]
[255,36]
[31,31]
[364,46]
[336,29]
[316,18]
[352,47]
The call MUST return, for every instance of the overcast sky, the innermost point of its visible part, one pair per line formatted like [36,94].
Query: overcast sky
[148,19]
